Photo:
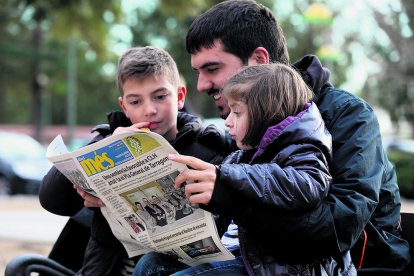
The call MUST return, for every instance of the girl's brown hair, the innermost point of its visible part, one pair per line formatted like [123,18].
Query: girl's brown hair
[271,92]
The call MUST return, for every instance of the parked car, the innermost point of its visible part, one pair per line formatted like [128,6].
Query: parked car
[401,154]
[23,164]
[401,145]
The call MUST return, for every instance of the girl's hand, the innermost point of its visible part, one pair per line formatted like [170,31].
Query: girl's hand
[137,126]
[89,200]
[200,178]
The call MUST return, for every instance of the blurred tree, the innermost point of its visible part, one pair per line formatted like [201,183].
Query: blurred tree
[39,23]
[162,23]
[307,25]
[397,77]
[13,65]
[36,34]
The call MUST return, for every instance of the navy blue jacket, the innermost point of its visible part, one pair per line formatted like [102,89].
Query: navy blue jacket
[364,195]
[288,174]
[363,204]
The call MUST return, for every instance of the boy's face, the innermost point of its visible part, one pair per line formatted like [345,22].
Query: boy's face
[154,100]
[238,122]
[214,67]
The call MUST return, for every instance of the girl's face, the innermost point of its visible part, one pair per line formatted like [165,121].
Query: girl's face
[238,122]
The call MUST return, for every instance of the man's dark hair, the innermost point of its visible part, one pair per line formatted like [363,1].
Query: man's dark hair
[241,26]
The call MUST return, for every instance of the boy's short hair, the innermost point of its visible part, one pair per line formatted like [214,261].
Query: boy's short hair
[144,62]
[271,92]
[241,26]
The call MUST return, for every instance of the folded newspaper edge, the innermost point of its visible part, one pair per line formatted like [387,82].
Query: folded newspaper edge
[132,174]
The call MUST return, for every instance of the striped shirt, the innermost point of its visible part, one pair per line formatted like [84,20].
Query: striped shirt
[230,238]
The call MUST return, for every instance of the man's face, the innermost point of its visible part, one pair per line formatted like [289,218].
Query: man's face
[214,67]
[153,100]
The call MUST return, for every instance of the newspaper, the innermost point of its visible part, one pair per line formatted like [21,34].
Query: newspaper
[131,173]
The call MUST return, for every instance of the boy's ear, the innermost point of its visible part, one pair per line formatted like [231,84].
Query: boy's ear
[121,104]
[181,92]
[259,56]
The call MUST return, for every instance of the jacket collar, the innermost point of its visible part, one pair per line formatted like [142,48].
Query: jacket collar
[313,73]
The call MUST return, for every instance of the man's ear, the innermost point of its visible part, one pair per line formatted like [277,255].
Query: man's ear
[259,56]
[181,92]
[122,105]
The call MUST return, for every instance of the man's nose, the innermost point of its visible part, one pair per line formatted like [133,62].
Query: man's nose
[204,83]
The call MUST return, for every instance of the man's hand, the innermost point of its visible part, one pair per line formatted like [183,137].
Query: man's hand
[89,200]
[200,178]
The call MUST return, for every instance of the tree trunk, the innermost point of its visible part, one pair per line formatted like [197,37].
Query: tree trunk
[35,85]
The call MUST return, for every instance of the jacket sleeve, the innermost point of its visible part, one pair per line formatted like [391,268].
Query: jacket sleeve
[357,170]
[57,195]
[56,192]
[297,179]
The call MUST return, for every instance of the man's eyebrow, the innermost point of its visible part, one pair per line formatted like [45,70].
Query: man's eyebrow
[207,64]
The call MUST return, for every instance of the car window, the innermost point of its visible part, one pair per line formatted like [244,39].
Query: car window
[20,147]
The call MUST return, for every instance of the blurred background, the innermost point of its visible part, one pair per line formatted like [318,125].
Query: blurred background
[58,62]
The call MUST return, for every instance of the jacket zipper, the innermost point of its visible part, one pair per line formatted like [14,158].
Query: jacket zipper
[244,256]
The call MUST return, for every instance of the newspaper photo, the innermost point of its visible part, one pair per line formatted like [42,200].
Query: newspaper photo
[131,173]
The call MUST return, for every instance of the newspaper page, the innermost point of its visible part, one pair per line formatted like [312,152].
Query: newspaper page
[131,173]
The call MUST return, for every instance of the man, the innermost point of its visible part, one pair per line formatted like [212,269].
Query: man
[362,210]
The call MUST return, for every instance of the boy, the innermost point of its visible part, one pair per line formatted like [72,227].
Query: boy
[150,96]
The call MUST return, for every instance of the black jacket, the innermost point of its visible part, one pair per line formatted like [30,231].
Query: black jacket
[364,193]
[288,174]
[105,254]
[363,200]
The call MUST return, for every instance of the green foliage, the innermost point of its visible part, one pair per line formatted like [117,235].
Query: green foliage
[34,59]
[161,23]
[404,164]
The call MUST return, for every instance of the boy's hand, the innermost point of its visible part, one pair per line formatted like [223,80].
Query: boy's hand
[137,126]
[89,200]
[200,178]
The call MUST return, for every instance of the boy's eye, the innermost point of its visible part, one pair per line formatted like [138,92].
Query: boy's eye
[135,102]
[161,96]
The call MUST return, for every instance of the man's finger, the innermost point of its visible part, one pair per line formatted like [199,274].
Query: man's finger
[190,161]
[191,176]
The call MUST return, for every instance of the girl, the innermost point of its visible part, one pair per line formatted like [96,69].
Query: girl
[281,170]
